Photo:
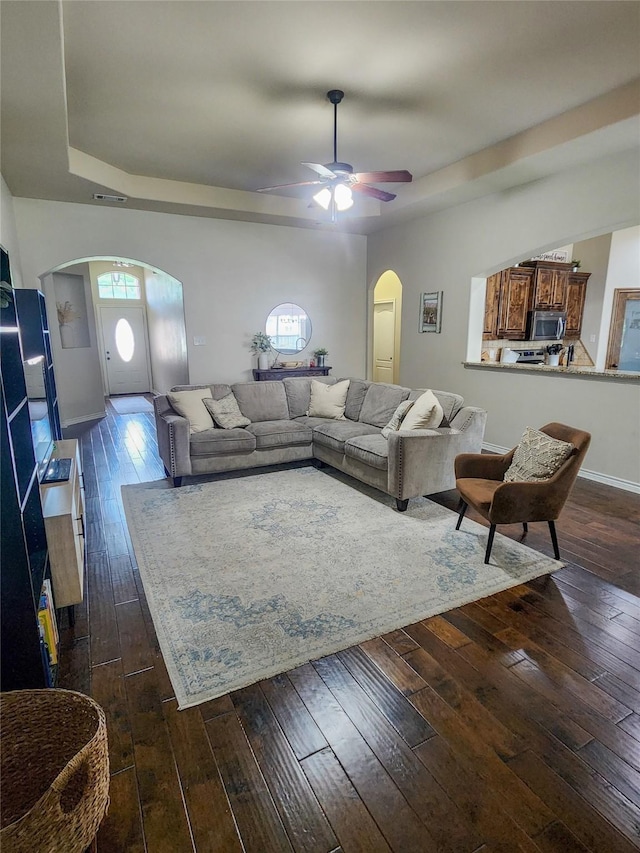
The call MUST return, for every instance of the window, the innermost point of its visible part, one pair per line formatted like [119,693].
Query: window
[118,285]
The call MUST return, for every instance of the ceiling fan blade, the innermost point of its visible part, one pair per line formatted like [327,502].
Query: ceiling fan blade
[374,192]
[399,176]
[286,186]
[321,170]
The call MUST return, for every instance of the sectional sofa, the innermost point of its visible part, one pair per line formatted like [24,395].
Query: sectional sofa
[404,465]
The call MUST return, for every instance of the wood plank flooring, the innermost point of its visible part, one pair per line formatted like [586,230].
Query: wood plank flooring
[510,724]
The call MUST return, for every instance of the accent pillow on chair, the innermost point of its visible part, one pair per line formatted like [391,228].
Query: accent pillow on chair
[328,401]
[397,418]
[190,405]
[226,412]
[537,457]
[426,413]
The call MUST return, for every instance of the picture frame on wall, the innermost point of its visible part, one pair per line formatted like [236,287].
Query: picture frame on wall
[430,312]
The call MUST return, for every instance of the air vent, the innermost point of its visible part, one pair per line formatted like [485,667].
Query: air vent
[103,197]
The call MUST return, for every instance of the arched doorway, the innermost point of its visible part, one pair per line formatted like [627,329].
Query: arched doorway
[387,328]
[109,312]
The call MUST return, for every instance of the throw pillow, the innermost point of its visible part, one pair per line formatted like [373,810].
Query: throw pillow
[426,413]
[328,401]
[226,412]
[537,457]
[189,404]
[397,418]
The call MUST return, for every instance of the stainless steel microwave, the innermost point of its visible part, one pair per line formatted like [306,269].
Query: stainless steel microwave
[546,325]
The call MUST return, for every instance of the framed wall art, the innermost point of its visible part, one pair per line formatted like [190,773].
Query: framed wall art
[430,311]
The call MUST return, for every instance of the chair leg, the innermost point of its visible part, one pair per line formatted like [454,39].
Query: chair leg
[525,527]
[402,504]
[492,532]
[554,539]
[463,506]
[177,482]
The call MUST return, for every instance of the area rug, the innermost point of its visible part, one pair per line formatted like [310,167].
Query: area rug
[131,405]
[249,577]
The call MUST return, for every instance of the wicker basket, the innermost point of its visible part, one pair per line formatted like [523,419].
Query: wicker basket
[54,771]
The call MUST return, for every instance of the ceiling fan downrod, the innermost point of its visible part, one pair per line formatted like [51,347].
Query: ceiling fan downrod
[335,96]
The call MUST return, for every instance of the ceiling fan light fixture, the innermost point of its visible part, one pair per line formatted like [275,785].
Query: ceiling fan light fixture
[323,198]
[343,197]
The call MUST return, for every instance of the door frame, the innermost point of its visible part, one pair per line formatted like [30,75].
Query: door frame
[103,358]
[620,298]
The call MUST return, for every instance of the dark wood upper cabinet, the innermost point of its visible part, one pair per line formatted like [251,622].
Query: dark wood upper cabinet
[576,292]
[492,307]
[515,300]
[550,287]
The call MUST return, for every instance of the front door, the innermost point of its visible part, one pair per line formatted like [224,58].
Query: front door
[384,337]
[125,353]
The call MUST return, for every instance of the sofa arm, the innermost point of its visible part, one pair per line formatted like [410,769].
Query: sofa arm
[484,466]
[173,438]
[421,462]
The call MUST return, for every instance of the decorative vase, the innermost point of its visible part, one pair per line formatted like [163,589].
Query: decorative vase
[319,361]
[553,359]
[263,361]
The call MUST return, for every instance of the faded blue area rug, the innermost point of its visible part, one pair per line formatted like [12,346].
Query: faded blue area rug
[249,577]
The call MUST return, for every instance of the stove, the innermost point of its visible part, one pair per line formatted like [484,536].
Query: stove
[530,356]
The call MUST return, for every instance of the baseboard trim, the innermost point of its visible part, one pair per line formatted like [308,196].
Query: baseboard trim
[95,416]
[605,479]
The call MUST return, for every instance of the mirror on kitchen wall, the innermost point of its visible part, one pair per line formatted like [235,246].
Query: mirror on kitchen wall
[289,327]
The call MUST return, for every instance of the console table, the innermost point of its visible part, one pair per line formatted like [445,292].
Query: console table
[282,372]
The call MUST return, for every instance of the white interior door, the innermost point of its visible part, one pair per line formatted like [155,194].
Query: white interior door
[384,340]
[125,351]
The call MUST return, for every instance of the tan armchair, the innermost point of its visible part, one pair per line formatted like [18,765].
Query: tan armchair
[479,480]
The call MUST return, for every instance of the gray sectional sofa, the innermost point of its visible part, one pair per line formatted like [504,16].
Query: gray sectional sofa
[407,464]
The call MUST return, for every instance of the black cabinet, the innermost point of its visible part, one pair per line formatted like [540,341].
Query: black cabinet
[23,542]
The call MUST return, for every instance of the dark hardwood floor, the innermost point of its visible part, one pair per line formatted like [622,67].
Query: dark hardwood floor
[510,724]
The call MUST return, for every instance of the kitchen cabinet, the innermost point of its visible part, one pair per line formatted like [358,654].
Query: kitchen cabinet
[549,292]
[515,299]
[492,307]
[575,296]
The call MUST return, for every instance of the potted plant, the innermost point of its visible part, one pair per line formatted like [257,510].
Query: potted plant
[261,344]
[553,354]
[319,355]
[575,266]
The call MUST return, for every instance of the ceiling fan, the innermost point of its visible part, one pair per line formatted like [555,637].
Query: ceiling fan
[338,179]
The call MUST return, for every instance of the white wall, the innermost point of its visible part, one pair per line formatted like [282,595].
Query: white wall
[167,337]
[594,257]
[233,274]
[445,250]
[9,236]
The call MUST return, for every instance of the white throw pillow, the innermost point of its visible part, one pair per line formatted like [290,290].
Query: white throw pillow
[426,413]
[189,404]
[328,401]
[397,417]
[226,412]
[537,457]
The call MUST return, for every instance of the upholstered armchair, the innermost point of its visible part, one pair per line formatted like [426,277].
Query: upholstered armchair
[480,482]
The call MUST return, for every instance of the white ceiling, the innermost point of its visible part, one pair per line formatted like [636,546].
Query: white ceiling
[192,106]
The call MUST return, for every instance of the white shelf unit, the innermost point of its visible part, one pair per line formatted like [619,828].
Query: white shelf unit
[63,511]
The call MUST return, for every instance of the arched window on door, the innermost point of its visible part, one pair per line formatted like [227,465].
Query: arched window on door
[118,285]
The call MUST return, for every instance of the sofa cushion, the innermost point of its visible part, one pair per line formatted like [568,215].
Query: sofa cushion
[396,418]
[380,402]
[451,403]
[298,392]
[327,401]
[225,412]
[334,434]
[279,434]
[425,413]
[355,397]
[218,390]
[537,457]
[190,405]
[262,401]
[372,450]
[222,442]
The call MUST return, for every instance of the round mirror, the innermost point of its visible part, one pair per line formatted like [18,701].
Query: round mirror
[289,328]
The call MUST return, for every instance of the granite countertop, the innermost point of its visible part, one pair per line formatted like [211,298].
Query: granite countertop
[583,372]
